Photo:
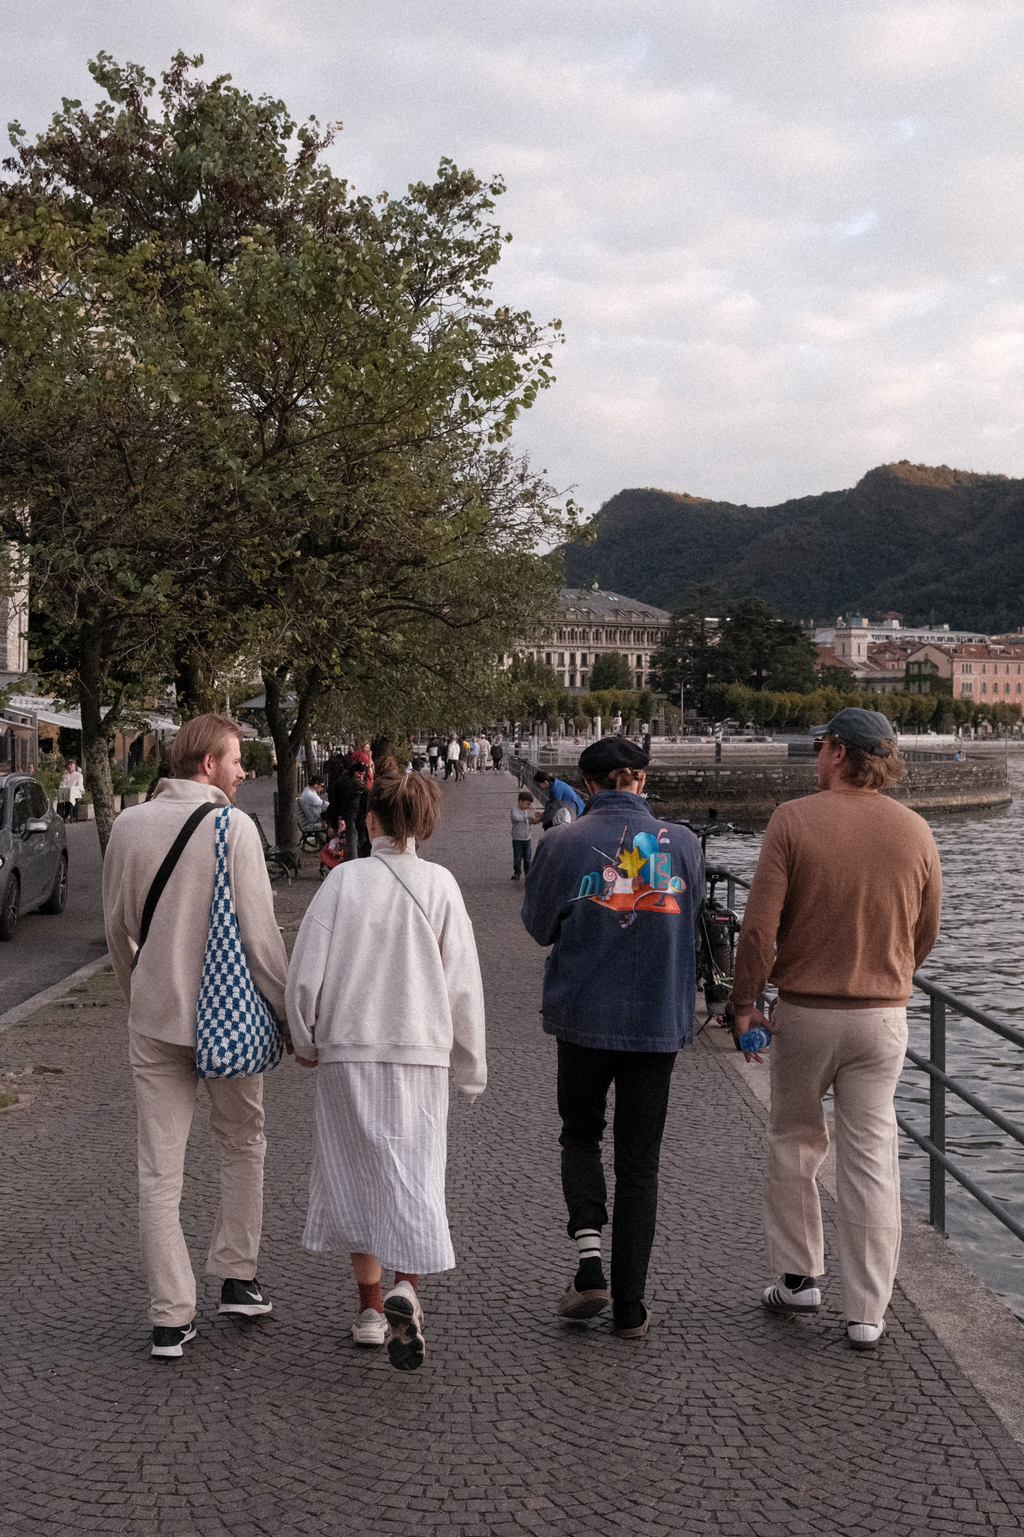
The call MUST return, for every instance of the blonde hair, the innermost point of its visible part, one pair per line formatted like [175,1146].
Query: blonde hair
[406,806]
[861,770]
[617,779]
[203,735]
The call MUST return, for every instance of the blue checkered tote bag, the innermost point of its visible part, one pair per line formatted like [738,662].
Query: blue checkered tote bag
[236,1029]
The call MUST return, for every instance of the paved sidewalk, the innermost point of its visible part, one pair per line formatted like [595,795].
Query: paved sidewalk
[723,1420]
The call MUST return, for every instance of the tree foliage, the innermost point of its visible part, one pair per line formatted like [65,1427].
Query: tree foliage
[610,670]
[245,413]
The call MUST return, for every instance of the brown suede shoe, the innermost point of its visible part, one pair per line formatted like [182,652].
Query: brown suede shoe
[640,1330]
[578,1305]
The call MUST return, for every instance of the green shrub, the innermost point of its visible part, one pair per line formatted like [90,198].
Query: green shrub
[50,773]
[257,758]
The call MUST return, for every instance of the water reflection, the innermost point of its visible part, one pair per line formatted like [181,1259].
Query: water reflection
[978,957]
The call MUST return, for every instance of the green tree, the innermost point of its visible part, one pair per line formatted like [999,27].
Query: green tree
[682,665]
[610,670]
[247,414]
[761,649]
[840,678]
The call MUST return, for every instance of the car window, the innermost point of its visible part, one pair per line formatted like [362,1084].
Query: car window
[22,808]
[39,800]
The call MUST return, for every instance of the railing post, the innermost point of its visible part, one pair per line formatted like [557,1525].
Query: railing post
[937,1115]
[730,893]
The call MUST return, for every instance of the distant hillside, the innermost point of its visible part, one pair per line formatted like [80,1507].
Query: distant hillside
[936,545]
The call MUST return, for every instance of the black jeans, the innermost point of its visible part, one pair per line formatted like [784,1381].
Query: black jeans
[642,1080]
[522,848]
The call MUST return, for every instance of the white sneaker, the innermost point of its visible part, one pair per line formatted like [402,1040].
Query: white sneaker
[406,1347]
[370,1328]
[864,1336]
[779,1299]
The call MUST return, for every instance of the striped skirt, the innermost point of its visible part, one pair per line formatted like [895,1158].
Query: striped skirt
[379,1152]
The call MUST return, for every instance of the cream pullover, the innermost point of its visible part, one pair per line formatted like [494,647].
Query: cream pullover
[374,977]
[844,904]
[163,990]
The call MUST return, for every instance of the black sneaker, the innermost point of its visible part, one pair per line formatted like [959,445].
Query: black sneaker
[168,1342]
[243,1297]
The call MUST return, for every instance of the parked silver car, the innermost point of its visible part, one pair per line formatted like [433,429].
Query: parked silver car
[33,852]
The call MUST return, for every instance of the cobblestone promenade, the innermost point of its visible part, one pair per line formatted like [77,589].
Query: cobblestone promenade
[723,1420]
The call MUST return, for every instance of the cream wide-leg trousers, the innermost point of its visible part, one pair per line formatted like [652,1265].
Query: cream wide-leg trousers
[858,1053]
[165,1094]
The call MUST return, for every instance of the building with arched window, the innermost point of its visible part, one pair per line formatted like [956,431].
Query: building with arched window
[593,623]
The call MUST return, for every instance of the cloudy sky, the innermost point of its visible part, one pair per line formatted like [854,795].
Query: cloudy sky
[785,237]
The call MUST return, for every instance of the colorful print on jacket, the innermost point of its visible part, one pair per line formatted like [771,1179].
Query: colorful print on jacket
[617,895]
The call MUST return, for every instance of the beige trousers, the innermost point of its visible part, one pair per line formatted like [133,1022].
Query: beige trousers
[165,1095]
[858,1053]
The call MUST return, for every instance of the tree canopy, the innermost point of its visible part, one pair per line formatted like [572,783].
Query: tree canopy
[246,413]
[610,670]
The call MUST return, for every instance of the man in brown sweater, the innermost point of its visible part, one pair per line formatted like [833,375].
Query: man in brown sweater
[843,908]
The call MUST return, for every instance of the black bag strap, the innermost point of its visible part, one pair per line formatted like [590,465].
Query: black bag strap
[163,875]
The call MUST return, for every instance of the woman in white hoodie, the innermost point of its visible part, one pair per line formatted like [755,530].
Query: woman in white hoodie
[384,996]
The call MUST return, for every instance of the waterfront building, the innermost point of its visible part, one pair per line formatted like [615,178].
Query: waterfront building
[591,622]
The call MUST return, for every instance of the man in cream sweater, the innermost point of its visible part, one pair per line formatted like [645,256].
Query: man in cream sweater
[843,909]
[161,983]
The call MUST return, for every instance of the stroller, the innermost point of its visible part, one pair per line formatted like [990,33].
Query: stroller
[333,852]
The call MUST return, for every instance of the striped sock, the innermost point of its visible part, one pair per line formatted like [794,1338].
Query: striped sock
[589,1275]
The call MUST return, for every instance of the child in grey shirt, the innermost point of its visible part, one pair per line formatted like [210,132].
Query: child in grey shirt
[523,818]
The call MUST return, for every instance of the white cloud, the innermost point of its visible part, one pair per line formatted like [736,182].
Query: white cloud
[785,240]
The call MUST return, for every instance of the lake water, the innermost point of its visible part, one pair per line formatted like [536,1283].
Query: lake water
[979,957]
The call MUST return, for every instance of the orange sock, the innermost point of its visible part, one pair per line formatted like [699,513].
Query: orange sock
[404,1275]
[370,1297]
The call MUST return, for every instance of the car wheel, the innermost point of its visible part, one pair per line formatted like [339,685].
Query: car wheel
[57,900]
[9,908]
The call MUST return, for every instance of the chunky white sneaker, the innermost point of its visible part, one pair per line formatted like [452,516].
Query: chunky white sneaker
[864,1336]
[370,1328]
[402,1310]
[778,1298]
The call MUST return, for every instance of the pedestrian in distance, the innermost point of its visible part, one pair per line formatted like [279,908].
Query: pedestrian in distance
[384,997]
[160,975]
[497,751]
[433,748]
[346,807]
[70,790]
[556,790]
[474,754]
[842,910]
[524,818]
[452,754]
[616,895]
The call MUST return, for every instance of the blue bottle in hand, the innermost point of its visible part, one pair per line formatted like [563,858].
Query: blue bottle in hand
[756,1039]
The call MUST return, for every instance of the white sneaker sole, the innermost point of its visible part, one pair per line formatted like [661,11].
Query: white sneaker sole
[169,1351]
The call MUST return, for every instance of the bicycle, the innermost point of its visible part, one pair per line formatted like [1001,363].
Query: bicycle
[718,928]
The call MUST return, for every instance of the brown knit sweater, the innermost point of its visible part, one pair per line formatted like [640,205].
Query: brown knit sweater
[844,905]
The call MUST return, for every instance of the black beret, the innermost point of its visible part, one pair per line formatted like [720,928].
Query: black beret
[612,752]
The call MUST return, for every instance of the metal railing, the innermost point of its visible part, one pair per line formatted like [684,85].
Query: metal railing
[934,1144]
[717,873]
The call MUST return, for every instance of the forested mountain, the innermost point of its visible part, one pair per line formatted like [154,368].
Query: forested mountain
[936,545]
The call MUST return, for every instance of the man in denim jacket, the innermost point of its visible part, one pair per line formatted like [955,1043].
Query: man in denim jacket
[617,895]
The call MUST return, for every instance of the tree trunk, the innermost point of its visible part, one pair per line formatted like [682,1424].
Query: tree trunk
[194,684]
[96,741]
[286,744]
